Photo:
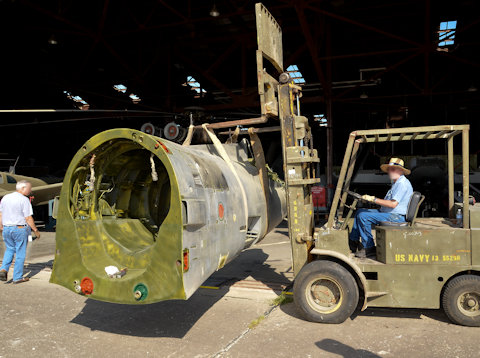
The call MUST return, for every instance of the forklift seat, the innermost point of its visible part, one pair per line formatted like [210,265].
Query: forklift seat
[412,210]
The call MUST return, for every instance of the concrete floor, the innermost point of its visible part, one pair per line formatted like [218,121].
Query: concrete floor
[38,319]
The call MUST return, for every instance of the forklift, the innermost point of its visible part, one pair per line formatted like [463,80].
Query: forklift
[424,263]
[421,263]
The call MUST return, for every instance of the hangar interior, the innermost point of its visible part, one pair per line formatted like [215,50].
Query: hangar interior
[362,65]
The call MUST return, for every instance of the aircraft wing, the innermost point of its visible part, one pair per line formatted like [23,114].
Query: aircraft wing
[42,194]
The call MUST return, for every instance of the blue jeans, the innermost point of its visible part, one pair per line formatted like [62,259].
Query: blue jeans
[15,239]
[362,225]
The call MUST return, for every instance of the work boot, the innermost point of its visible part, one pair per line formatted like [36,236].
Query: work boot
[353,245]
[369,253]
[3,275]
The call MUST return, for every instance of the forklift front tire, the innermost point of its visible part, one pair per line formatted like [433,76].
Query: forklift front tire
[461,300]
[325,292]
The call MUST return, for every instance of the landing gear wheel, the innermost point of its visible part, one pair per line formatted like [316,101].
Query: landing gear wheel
[461,300]
[325,292]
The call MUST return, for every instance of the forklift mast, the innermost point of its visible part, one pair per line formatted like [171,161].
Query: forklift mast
[280,99]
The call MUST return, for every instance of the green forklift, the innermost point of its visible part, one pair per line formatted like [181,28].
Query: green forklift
[424,263]
[421,263]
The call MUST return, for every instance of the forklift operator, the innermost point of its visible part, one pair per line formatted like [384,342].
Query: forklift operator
[392,208]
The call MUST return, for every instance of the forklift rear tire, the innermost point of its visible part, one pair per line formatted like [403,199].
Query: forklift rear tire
[461,300]
[325,292]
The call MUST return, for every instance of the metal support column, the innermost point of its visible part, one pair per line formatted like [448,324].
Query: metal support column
[341,178]
[466,179]
[451,183]
[329,149]
[348,178]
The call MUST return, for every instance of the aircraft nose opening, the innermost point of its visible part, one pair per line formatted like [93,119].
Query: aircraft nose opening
[127,189]
[120,220]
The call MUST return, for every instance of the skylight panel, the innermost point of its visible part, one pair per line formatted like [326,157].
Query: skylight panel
[446,33]
[80,103]
[195,86]
[321,119]
[135,99]
[120,88]
[295,74]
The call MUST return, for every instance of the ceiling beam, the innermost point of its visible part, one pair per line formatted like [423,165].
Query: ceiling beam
[427,46]
[205,75]
[193,21]
[221,59]
[364,26]
[57,17]
[378,74]
[173,10]
[368,54]
[311,44]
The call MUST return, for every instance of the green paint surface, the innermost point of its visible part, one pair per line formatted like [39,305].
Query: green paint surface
[135,233]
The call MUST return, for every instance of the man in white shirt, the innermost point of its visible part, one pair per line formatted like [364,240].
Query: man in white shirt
[16,221]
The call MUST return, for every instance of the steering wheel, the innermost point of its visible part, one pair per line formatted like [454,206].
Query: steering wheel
[355,195]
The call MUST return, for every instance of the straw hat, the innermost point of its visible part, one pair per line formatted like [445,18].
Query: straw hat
[397,163]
